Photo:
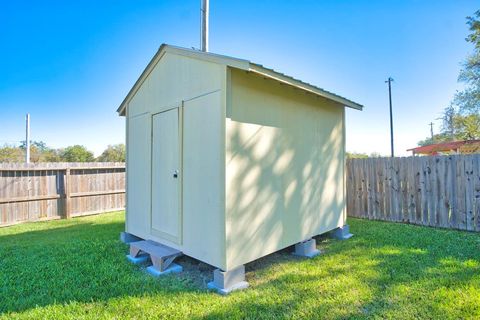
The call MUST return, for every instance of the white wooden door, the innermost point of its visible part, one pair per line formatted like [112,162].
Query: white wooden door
[166,176]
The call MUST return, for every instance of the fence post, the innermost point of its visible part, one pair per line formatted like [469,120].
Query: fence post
[67,212]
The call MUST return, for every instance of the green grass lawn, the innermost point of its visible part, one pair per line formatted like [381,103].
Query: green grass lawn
[77,269]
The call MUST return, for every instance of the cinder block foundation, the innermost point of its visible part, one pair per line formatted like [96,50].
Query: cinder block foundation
[225,282]
[128,238]
[307,248]
[172,268]
[141,259]
[342,233]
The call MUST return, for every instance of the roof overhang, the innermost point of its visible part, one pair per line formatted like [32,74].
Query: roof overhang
[234,63]
[282,78]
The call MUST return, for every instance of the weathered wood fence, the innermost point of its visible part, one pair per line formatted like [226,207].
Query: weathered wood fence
[440,191]
[45,191]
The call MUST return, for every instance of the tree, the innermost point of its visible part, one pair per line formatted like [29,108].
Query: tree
[40,152]
[375,155]
[448,125]
[461,119]
[468,100]
[113,153]
[467,127]
[466,103]
[437,138]
[50,155]
[356,155]
[11,154]
[474,24]
[39,145]
[76,153]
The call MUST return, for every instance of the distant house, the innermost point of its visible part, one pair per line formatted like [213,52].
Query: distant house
[450,147]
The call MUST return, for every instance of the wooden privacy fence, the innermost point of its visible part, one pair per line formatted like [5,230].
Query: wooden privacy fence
[44,191]
[439,191]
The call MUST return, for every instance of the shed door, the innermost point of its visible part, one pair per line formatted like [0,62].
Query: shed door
[166,176]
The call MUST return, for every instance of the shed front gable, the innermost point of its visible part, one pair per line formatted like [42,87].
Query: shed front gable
[172,79]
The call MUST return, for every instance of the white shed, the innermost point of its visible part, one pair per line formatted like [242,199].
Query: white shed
[228,161]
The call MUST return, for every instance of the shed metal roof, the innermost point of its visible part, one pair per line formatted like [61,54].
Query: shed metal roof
[239,64]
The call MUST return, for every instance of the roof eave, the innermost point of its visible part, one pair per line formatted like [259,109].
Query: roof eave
[271,74]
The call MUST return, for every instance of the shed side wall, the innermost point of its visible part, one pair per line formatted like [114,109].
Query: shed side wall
[178,81]
[284,167]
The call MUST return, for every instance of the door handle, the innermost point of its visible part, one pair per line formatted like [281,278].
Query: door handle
[175,174]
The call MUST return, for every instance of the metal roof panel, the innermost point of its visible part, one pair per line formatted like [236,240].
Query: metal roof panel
[239,64]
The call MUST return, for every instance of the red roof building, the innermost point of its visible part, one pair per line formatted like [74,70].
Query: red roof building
[451,147]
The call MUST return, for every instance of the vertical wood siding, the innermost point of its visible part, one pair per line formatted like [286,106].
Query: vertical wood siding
[440,191]
[45,191]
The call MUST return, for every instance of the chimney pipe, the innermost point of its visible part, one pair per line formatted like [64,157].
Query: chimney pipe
[204,27]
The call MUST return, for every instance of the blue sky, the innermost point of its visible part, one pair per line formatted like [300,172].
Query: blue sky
[71,63]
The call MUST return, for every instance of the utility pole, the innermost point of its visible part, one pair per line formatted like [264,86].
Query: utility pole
[431,130]
[27,138]
[204,26]
[389,81]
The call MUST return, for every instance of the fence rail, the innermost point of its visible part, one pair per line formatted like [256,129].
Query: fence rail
[45,191]
[439,191]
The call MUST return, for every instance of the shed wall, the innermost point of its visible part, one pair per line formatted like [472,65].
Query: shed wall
[284,166]
[197,87]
